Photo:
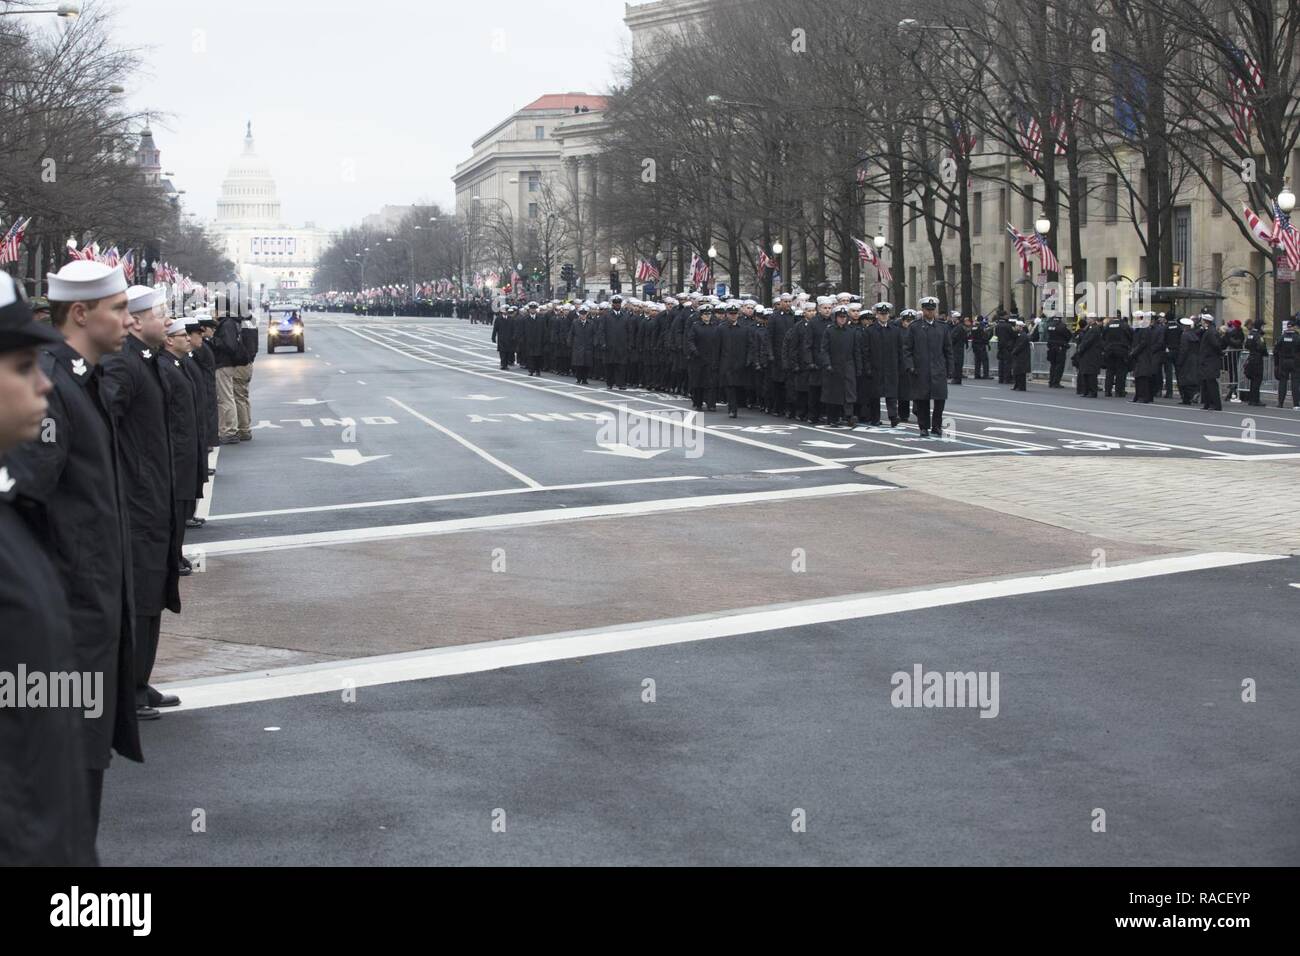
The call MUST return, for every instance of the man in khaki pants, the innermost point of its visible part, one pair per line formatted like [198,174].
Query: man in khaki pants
[228,350]
[243,378]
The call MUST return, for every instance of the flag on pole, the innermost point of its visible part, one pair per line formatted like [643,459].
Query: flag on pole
[1257,227]
[647,271]
[1245,81]
[1285,235]
[1024,247]
[765,262]
[867,253]
[13,239]
[700,271]
[128,265]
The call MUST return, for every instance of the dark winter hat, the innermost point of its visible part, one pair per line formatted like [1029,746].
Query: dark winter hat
[18,329]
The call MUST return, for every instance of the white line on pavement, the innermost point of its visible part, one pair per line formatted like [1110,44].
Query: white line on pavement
[455,497]
[1074,431]
[1235,426]
[486,456]
[205,503]
[521,519]
[474,658]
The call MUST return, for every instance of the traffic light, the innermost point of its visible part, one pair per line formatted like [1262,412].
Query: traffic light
[568,274]
[614,284]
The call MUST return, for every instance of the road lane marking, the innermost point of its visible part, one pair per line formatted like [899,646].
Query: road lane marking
[523,519]
[1153,418]
[543,648]
[486,456]
[1075,431]
[458,496]
[791,452]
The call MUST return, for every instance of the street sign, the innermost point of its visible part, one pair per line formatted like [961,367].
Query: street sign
[1285,274]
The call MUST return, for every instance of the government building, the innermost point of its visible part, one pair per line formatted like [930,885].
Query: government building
[268,254]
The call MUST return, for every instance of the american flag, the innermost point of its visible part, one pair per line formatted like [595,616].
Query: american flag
[128,265]
[647,271]
[862,174]
[1285,235]
[13,239]
[867,254]
[1046,257]
[1025,247]
[1257,227]
[515,280]
[765,262]
[963,142]
[699,271]
[1061,127]
[1030,137]
[112,257]
[1239,91]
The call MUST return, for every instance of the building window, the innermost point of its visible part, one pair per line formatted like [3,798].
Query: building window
[1082,213]
[1004,211]
[539,132]
[534,182]
[911,223]
[1029,207]
[532,210]
[1112,268]
[1216,268]
[1112,197]
[1144,199]
[977,279]
[911,282]
[1182,241]
[977,214]
[1216,180]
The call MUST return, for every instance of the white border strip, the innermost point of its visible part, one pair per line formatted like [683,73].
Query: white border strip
[473,658]
[522,519]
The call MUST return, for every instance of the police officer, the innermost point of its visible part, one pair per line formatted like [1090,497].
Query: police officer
[74,473]
[1256,351]
[1286,363]
[1169,362]
[45,812]
[979,345]
[1116,343]
[1058,347]
[1211,355]
[1088,357]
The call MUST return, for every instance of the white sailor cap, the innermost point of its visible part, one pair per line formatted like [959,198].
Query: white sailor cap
[825,300]
[141,298]
[176,326]
[83,280]
[884,307]
[907,314]
[1186,321]
[808,305]
[843,297]
[855,305]
[929,302]
[786,297]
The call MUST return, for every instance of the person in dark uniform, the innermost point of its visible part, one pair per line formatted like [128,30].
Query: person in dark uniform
[612,341]
[841,362]
[1021,359]
[74,475]
[979,346]
[927,355]
[1003,330]
[1211,364]
[733,358]
[1286,364]
[189,465]
[1169,364]
[503,336]
[796,354]
[1189,361]
[1088,357]
[884,354]
[1058,347]
[760,359]
[1256,351]
[960,339]
[45,811]
[135,396]
[207,362]
[904,322]
[702,357]
[778,326]
[534,339]
[582,344]
[1234,341]
[1117,343]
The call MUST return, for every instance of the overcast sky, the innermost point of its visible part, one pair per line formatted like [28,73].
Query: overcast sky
[392,90]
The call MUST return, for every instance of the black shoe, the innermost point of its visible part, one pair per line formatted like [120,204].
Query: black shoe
[936,432]
[184,571]
[146,713]
[733,415]
[228,441]
[159,699]
[853,421]
[211,472]
[194,522]
[893,423]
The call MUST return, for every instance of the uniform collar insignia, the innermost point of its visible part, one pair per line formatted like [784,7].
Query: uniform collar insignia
[146,354]
[6,483]
[176,362]
[78,366]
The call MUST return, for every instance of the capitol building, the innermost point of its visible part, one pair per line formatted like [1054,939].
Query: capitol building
[267,253]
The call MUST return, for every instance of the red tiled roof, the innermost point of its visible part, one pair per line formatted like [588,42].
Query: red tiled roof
[566,101]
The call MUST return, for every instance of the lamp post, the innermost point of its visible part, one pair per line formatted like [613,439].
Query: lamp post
[1259,285]
[68,11]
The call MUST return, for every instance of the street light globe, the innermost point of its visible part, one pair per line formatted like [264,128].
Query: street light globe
[613,260]
[713,99]
[777,248]
[879,240]
[69,11]
[906,24]
[1286,199]
[389,239]
[1043,225]
[713,252]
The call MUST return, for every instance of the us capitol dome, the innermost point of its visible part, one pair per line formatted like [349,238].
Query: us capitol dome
[249,228]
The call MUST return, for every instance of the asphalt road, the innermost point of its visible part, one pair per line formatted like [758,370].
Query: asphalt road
[353,547]
[1138,714]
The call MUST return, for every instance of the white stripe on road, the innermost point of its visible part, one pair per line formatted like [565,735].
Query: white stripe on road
[1236,427]
[940,454]
[523,519]
[1075,431]
[456,497]
[486,456]
[473,658]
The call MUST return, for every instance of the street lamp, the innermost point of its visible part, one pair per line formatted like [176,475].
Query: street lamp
[879,240]
[1042,225]
[713,252]
[69,11]
[777,248]
[1286,199]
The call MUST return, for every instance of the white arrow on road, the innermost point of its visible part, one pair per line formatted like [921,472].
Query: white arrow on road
[1247,441]
[306,401]
[1011,431]
[482,398]
[827,444]
[626,451]
[347,456]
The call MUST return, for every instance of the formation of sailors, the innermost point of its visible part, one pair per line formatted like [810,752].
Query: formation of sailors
[108,413]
